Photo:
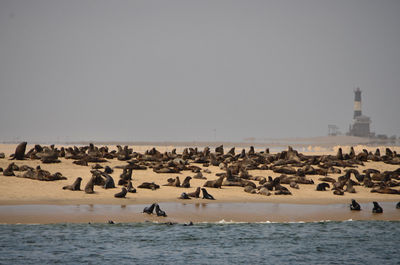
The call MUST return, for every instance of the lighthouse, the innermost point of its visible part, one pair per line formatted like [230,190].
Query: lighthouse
[361,123]
[357,103]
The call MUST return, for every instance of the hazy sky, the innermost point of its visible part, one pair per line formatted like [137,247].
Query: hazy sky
[177,70]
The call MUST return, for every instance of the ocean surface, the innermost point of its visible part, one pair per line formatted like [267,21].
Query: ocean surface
[346,242]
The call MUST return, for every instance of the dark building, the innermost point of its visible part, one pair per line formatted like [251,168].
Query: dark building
[360,126]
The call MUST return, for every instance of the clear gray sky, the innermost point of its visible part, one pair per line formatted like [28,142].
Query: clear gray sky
[176,70]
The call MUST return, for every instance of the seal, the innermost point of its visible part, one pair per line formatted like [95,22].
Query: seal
[206,195]
[338,191]
[160,212]
[186,182]
[148,185]
[89,188]
[214,183]
[149,209]
[75,186]
[398,205]
[195,194]
[20,151]
[377,208]
[109,184]
[130,187]
[108,170]
[349,187]
[184,196]
[121,194]
[173,182]
[354,206]
[322,186]
[9,171]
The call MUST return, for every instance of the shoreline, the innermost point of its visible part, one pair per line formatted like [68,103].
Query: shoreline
[251,212]
[143,201]
[305,203]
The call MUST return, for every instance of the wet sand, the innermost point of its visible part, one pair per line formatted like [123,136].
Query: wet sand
[199,212]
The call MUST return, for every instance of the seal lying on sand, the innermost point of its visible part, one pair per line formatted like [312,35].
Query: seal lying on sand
[149,209]
[184,196]
[322,186]
[148,185]
[75,186]
[9,171]
[354,206]
[377,208]
[206,195]
[160,212]
[121,194]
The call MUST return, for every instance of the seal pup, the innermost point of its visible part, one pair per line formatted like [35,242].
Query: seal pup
[160,212]
[206,195]
[195,194]
[20,151]
[354,206]
[90,186]
[121,194]
[377,208]
[75,186]
[184,196]
[149,209]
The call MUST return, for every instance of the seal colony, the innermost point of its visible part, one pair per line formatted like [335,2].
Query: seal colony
[192,175]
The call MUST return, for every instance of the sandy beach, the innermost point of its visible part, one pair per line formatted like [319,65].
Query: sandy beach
[23,192]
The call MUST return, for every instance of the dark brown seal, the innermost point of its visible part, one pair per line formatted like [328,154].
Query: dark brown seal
[121,194]
[206,195]
[186,182]
[20,151]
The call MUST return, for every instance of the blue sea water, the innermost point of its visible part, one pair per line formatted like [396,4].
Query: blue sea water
[348,242]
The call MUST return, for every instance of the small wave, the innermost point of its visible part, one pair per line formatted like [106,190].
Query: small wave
[229,222]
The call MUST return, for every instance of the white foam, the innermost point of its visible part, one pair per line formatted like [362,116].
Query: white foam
[229,222]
